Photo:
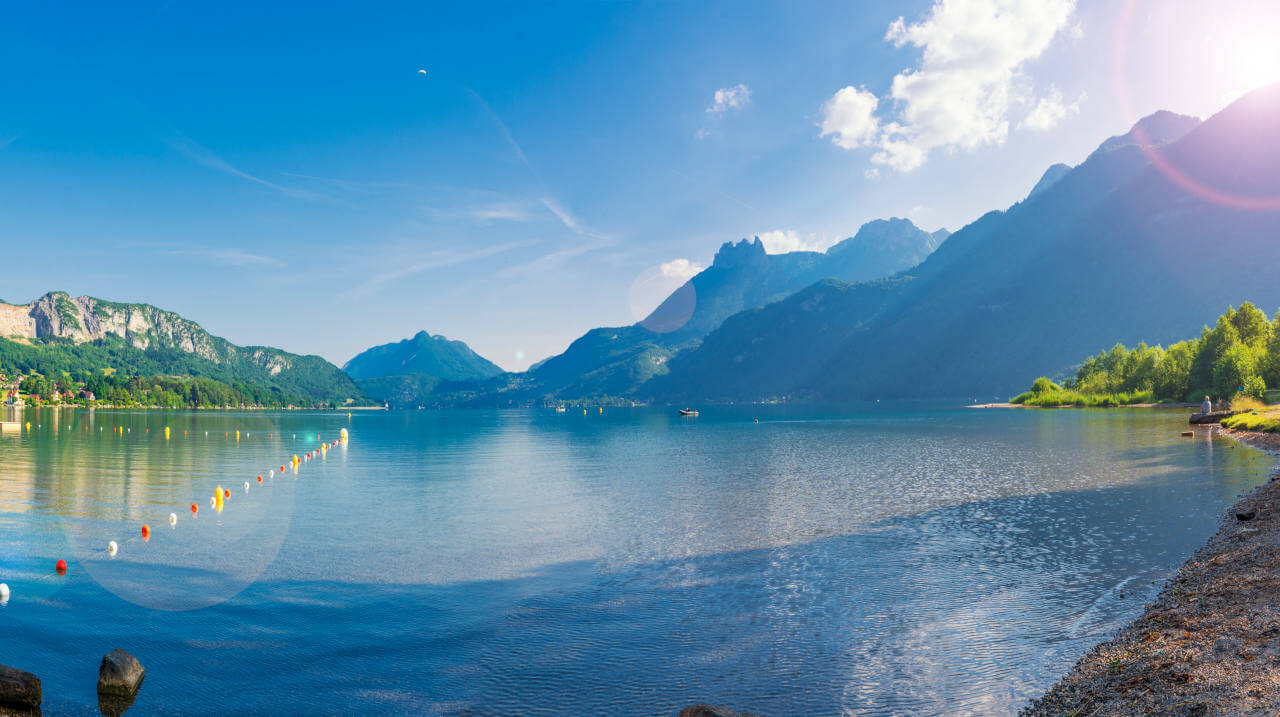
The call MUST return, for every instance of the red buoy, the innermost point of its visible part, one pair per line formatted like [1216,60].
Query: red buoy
[282,469]
[146,532]
[259,479]
[194,509]
[61,567]
[226,492]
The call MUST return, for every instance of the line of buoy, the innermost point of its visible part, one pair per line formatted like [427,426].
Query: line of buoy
[217,502]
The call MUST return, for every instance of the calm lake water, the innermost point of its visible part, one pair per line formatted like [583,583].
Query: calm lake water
[868,560]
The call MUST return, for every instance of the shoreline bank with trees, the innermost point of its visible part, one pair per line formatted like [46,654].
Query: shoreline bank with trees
[1238,357]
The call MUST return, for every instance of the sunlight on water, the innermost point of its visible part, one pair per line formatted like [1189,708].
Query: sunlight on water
[863,560]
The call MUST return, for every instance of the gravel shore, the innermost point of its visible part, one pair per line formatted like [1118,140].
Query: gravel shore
[1210,642]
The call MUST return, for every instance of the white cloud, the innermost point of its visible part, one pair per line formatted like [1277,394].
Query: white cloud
[233,257]
[970,73]
[730,98]
[681,269]
[439,259]
[780,241]
[206,158]
[509,211]
[1050,111]
[850,117]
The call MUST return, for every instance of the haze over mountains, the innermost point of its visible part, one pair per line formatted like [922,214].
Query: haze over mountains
[1114,250]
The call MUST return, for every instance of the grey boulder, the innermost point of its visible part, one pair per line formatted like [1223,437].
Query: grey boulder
[120,674]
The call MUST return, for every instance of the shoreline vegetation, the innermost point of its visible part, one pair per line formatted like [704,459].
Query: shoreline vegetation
[1237,359]
[1210,641]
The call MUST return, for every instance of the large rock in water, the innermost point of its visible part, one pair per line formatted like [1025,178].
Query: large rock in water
[120,675]
[19,690]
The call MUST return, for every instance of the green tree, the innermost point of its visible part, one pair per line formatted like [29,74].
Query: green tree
[1173,371]
[1251,325]
[1214,344]
[1237,365]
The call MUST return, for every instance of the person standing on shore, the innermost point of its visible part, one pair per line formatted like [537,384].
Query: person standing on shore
[1207,406]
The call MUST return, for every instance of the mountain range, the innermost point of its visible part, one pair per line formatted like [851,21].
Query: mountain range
[1152,235]
[1128,246]
[58,331]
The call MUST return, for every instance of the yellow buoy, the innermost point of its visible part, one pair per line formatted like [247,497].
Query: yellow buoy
[166,433]
[217,500]
[237,435]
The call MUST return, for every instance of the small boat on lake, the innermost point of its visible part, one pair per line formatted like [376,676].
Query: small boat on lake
[560,409]
[688,412]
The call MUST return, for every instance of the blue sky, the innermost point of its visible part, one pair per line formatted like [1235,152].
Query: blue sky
[288,177]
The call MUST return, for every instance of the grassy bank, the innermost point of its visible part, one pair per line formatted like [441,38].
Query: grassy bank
[1265,421]
[1068,397]
[1047,394]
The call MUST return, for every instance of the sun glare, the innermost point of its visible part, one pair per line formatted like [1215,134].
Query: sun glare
[1241,62]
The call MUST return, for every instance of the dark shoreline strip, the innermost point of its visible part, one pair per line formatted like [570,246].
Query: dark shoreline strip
[1210,642]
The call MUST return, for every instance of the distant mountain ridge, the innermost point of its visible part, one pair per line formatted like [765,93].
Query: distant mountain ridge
[744,275]
[407,373]
[614,361]
[167,342]
[1117,249]
[423,353]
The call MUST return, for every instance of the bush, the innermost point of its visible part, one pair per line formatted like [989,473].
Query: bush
[1044,385]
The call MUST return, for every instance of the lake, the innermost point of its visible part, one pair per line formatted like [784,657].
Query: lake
[859,560]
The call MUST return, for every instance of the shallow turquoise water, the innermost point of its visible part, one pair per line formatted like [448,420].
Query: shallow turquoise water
[862,560]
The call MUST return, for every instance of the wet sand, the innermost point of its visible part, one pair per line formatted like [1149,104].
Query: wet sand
[1210,642]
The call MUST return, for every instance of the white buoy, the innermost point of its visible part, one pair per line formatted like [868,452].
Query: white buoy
[213,502]
[4,593]
[112,548]
[271,474]
[246,486]
[173,519]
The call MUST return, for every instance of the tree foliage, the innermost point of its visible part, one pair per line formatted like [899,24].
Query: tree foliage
[1240,355]
[123,375]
